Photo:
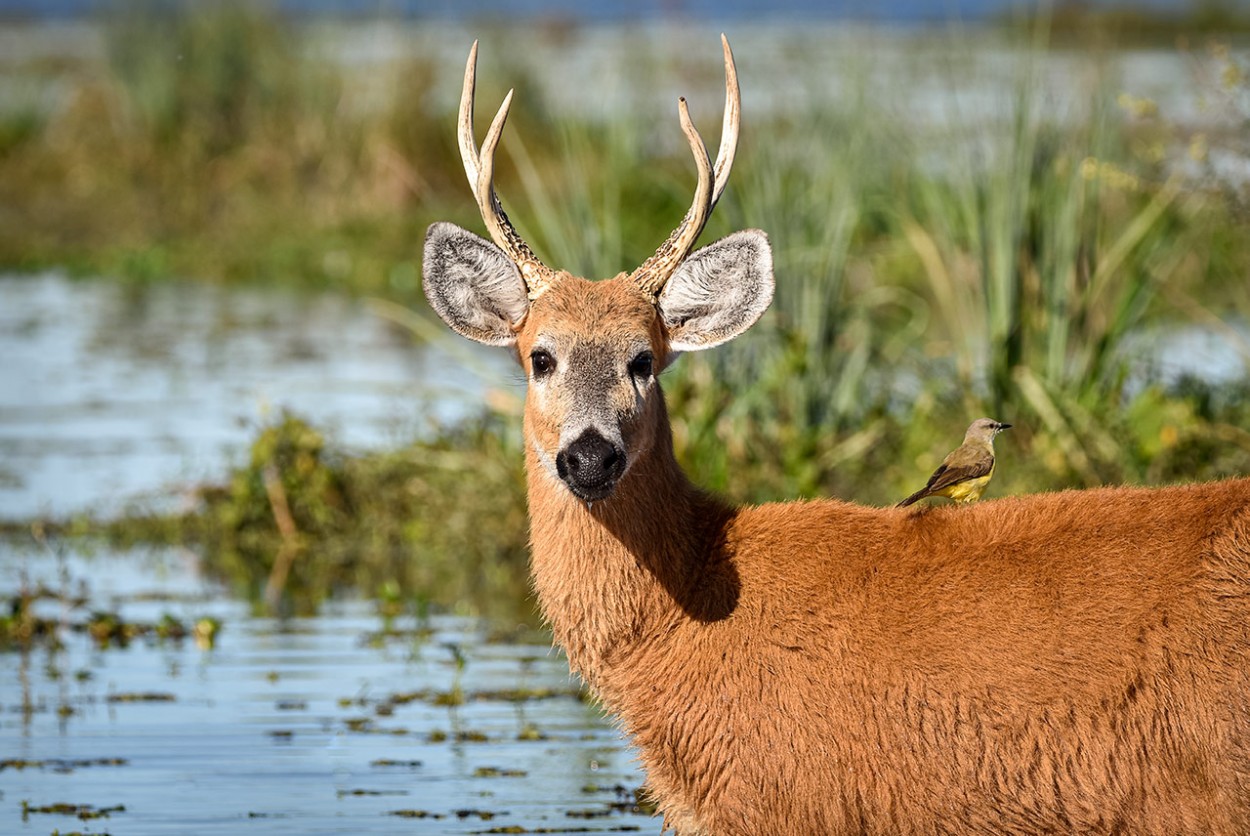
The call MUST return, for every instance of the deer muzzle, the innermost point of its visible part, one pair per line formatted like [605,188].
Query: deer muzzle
[591,466]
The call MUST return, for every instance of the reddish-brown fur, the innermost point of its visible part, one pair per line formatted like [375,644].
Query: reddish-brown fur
[1061,663]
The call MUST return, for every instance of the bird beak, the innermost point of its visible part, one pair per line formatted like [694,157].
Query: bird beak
[1002,427]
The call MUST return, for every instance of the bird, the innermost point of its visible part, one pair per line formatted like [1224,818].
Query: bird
[967,469]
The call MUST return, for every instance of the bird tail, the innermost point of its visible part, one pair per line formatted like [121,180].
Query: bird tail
[918,495]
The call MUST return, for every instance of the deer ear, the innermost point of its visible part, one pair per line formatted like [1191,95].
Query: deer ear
[473,285]
[718,292]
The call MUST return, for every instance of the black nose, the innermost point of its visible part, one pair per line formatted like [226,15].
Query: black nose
[590,466]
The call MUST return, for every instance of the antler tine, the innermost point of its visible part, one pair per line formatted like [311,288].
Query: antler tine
[653,273]
[480,169]
[468,145]
[730,126]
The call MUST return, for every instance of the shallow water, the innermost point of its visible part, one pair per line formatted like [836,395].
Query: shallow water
[110,390]
[306,726]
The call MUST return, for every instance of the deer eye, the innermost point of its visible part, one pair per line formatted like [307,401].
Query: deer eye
[642,365]
[542,363]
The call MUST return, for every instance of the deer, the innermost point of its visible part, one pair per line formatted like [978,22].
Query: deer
[1066,662]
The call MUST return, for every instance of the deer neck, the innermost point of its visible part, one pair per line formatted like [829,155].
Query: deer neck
[619,572]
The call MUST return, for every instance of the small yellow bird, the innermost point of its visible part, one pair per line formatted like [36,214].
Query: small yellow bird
[965,472]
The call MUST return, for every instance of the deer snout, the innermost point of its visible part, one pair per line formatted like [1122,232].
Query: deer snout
[590,466]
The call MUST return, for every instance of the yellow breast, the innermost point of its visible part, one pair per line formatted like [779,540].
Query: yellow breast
[967,491]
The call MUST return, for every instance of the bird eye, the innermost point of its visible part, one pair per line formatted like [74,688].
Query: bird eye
[643,365]
[542,363]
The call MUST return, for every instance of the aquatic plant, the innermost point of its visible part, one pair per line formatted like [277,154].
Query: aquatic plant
[403,521]
[917,288]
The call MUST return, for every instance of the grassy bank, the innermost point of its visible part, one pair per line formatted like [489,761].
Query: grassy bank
[995,262]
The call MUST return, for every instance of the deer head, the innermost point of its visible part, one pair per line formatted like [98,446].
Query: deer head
[592,350]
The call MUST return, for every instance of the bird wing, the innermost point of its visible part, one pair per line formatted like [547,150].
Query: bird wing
[960,466]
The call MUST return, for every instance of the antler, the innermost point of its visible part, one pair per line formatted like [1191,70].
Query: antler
[480,169]
[656,270]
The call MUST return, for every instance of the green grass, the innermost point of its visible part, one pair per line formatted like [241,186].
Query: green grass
[433,523]
[926,276]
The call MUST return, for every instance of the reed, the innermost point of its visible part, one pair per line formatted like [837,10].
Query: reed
[998,262]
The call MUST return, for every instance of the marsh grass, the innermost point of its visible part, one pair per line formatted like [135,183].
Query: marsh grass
[439,523]
[993,263]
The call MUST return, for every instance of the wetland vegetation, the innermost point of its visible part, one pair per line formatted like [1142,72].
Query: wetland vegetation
[1022,222]
[1039,262]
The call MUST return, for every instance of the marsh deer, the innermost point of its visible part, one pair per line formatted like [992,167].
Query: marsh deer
[1064,663]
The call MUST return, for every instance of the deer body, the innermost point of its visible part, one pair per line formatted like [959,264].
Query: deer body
[1072,663]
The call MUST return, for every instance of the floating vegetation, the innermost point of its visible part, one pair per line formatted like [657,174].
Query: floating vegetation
[61,765]
[387,763]
[530,694]
[498,772]
[141,696]
[86,812]
[205,631]
[416,814]
[461,736]
[633,801]
[530,732]
[454,697]
[516,828]
[23,627]
[107,628]
[369,793]
[449,699]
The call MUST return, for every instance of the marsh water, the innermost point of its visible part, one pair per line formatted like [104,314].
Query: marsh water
[111,391]
[347,722]
[343,723]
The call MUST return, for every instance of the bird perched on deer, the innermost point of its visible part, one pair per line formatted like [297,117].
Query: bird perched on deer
[966,470]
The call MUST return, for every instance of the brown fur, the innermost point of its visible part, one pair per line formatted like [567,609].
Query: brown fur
[1062,663]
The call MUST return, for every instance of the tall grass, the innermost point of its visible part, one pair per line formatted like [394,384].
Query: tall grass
[915,294]
[995,263]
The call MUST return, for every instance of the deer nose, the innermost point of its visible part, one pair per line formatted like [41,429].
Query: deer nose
[590,466]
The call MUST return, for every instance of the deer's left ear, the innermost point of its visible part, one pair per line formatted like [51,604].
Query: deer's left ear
[718,292]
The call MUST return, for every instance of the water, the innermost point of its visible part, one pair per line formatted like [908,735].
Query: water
[109,391]
[295,726]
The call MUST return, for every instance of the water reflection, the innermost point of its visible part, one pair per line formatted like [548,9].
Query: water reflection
[108,390]
[300,726]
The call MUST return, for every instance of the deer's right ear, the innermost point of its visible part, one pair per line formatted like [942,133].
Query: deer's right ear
[472,285]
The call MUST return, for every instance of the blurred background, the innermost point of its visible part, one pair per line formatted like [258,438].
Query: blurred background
[223,398]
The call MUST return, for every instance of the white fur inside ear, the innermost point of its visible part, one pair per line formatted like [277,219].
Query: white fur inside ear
[472,285]
[718,292]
